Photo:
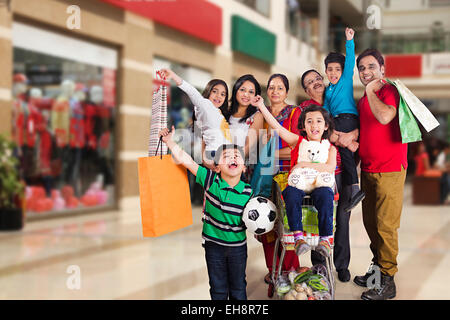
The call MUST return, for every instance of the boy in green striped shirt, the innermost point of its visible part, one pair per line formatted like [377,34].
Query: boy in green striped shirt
[223,232]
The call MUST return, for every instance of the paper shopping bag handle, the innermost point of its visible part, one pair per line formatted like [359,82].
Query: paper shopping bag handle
[159,147]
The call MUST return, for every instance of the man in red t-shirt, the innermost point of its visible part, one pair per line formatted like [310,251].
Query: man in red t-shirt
[383,173]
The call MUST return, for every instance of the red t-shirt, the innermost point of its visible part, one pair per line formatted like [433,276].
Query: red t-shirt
[420,163]
[302,107]
[380,146]
[308,103]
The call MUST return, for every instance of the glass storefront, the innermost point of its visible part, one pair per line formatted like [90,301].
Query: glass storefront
[64,120]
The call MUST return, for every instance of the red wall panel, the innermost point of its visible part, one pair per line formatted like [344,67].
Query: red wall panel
[406,66]
[198,18]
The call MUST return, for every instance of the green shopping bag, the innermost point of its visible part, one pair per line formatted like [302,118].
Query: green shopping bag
[409,128]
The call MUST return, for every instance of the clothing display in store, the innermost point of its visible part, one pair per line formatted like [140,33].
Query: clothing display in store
[65,145]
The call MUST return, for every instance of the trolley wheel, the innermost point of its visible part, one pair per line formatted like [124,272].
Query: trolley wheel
[270,290]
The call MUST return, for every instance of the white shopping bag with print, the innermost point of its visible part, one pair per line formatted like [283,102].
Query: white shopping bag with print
[159,117]
[420,111]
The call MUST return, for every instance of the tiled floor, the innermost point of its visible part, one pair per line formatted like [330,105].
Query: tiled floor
[113,261]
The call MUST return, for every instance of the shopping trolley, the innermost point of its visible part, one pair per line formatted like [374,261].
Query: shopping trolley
[285,238]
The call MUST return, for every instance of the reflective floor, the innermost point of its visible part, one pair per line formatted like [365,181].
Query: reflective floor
[103,256]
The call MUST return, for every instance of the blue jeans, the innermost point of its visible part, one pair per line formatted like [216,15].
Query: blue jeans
[226,271]
[323,201]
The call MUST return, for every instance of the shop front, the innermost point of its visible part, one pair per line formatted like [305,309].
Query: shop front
[63,121]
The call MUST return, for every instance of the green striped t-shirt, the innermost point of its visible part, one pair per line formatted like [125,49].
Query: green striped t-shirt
[224,205]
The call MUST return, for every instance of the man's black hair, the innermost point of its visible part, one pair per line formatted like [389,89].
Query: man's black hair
[371,52]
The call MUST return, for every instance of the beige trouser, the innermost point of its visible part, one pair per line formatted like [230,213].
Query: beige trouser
[381,209]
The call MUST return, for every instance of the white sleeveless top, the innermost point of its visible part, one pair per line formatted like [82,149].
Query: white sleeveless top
[239,130]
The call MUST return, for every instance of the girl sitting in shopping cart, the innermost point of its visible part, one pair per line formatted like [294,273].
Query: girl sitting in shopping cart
[315,124]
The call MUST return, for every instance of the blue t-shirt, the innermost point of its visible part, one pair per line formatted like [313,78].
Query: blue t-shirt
[339,97]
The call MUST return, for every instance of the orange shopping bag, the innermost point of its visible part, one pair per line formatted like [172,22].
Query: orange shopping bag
[164,195]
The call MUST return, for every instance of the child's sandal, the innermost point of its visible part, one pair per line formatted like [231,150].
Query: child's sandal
[301,246]
[324,248]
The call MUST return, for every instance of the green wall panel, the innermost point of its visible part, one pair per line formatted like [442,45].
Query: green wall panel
[248,38]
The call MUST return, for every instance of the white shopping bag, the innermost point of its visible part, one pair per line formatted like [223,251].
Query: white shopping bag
[159,119]
[420,111]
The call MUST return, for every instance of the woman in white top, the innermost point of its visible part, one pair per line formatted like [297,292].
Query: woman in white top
[241,115]
[208,111]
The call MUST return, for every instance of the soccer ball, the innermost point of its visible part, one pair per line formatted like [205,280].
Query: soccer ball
[259,215]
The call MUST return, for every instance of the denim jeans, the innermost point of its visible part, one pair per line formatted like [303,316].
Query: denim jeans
[226,271]
[323,201]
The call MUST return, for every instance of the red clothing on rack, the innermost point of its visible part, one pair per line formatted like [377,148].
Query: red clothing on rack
[90,112]
[60,121]
[77,130]
[32,123]
[45,152]
[19,121]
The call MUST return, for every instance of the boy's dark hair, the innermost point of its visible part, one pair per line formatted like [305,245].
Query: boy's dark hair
[335,57]
[282,77]
[224,147]
[371,52]
[234,105]
[326,116]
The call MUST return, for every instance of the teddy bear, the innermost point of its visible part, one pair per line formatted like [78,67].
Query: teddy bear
[308,179]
